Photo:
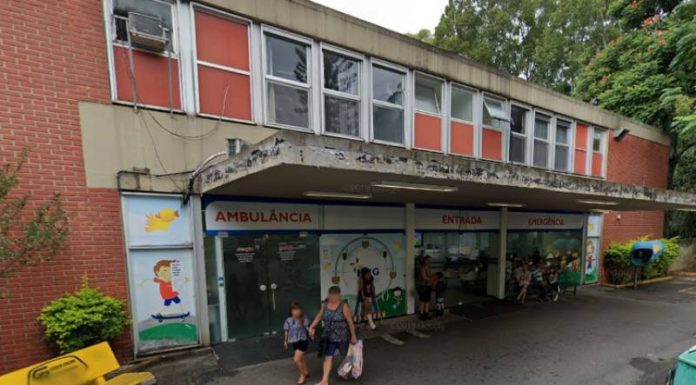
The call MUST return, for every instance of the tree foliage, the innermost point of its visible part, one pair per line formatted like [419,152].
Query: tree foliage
[424,35]
[545,41]
[28,235]
[649,73]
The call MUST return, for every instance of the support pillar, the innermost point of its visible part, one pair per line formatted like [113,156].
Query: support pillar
[410,249]
[502,252]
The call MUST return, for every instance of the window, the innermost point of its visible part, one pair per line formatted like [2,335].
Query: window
[598,139]
[462,104]
[145,66]
[287,81]
[427,132]
[388,104]
[495,123]
[542,130]
[518,135]
[462,131]
[428,95]
[341,93]
[222,65]
[494,114]
[562,146]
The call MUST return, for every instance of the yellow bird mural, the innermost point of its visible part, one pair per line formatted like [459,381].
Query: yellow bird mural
[161,221]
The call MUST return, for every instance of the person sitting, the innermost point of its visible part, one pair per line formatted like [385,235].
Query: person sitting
[539,283]
[523,277]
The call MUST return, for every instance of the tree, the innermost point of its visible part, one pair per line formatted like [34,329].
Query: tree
[545,41]
[648,73]
[28,235]
[424,35]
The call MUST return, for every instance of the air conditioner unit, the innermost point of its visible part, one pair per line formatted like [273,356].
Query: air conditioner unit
[147,32]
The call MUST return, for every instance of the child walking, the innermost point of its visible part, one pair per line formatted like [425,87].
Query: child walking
[296,327]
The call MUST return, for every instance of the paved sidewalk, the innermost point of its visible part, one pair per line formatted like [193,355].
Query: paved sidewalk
[603,337]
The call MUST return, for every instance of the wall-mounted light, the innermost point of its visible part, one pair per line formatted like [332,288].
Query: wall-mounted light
[505,204]
[335,195]
[597,202]
[620,132]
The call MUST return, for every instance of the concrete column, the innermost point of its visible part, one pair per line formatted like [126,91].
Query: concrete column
[410,226]
[502,251]
[199,267]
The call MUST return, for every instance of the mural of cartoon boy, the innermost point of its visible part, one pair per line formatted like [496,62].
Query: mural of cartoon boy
[163,277]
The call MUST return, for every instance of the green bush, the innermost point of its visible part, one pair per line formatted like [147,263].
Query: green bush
[83,318]
[617,261]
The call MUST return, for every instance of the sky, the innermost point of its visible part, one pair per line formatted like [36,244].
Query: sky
[398,15]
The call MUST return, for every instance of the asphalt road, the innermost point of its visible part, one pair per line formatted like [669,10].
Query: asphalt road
[603,336]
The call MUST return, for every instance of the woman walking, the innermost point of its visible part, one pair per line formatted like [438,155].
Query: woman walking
[367,295]
[424,286]
[339,330]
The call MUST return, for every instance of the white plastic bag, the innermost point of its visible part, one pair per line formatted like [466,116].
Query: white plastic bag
[344,370]
[356,372]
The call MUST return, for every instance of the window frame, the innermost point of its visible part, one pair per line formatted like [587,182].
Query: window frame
[443,83]
[528,135]
[570,145]
[252,68]
[267,79]
[586,150]
[480,106]
[361,98]
[177,42]
[475,117]
[443,115]
[549,118]
[604,144]
[405,107]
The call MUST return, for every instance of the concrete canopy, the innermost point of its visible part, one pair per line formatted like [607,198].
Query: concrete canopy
[289,164]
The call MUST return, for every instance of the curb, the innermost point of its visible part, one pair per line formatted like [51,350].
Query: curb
[640,283]
[684,274]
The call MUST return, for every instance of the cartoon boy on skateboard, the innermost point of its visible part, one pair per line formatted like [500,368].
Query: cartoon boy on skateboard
[163,277]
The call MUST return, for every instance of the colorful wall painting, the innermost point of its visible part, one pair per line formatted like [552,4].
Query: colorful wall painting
[164,308]
[157,221]
[344,255]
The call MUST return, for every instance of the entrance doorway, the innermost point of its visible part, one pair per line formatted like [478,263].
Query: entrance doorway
[462,260]
[264,274]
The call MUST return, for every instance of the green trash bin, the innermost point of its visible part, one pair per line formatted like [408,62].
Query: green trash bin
[686,368]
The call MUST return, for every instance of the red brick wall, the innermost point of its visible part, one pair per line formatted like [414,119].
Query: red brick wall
[641,162]
[52,55]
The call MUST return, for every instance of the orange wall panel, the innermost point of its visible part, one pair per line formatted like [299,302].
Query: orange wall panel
[428,132]
[580,162]
[213,84]
[597,163]
[462,138]
[492,145]
[581,136]
[152,79]
[222,41]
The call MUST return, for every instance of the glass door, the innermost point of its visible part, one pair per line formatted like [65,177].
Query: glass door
[293,266]
[246,282]
[264,274]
